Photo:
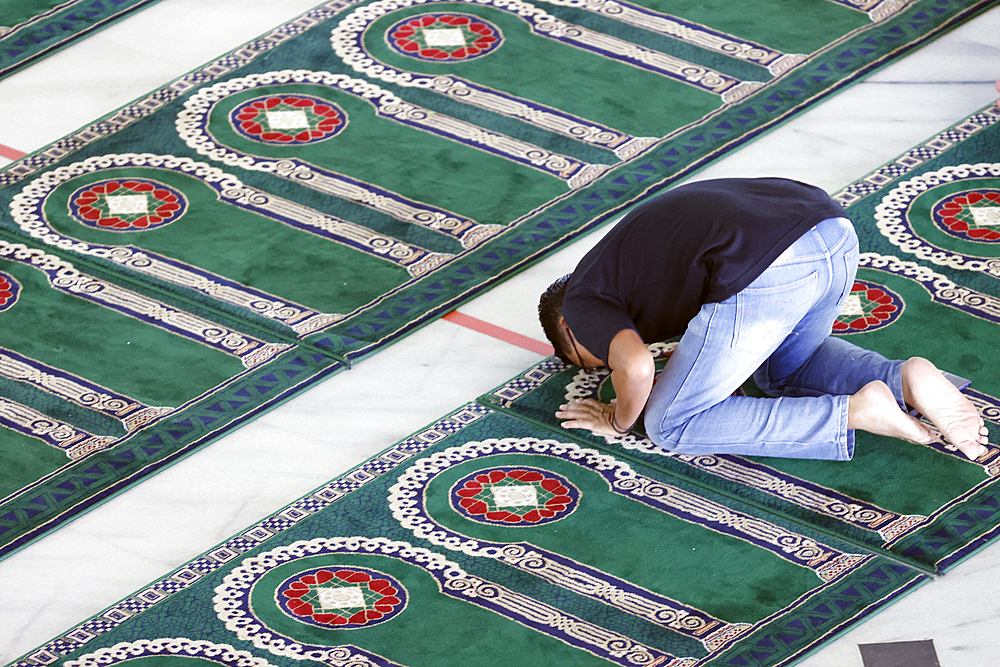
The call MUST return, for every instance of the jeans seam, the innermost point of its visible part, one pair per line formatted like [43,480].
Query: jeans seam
[694,363]
[845,436]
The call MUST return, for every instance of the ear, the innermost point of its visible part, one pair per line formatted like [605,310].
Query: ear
[565,332]
[565,342]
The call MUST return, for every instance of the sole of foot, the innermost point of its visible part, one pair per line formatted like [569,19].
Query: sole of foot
[952,413]
[874,409]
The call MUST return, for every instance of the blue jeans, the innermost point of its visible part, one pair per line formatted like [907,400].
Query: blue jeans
[778,330]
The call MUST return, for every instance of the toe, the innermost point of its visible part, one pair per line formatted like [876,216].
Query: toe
[973,450]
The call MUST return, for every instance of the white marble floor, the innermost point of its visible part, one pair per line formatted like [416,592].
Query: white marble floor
[158,525]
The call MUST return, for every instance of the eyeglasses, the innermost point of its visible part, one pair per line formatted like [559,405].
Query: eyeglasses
[586,369]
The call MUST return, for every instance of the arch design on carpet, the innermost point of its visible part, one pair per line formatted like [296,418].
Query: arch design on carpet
[348,43]
[893,219]
[232,604]
[407,499]
[192,127]
[27,210]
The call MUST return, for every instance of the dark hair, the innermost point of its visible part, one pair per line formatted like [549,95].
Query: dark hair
[549,313]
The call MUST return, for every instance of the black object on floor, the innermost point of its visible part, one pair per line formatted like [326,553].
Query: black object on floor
[900,654]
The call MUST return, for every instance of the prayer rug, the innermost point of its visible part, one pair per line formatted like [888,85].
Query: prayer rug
[209,250]
[33,29]
[484,540]
[493,536]
[929,285]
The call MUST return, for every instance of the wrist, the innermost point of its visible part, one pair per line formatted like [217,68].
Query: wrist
[618,429]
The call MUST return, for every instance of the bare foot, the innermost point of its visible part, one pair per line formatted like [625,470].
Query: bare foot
[874,409]
[937,399]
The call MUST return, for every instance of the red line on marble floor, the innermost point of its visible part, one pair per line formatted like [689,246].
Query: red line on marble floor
[499,333]
[11,153]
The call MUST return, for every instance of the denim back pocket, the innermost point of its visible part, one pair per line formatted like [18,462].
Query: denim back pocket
[770,307]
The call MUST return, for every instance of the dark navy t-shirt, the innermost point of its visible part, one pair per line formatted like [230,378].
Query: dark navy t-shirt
[699,243]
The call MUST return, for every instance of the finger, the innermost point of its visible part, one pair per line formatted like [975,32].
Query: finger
[576,404]
[579,409]
[578,423]
[576,410]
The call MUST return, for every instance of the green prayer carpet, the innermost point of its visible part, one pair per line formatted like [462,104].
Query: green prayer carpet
[493,536]
[33,29]
[176,268]
[483,540]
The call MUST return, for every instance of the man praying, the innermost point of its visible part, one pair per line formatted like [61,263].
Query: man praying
[751,274]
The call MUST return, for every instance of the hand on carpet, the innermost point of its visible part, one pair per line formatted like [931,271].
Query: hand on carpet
[589,414]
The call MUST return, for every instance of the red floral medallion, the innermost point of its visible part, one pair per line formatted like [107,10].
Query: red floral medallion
[868,307]
[973,215]
[514,496]
[288,119]
[10,289]
[444,37]
[127,205]
[343,598]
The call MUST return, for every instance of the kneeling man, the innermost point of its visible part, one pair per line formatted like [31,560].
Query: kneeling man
[751,273]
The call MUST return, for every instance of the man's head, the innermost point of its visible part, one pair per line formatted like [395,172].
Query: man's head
[550,315]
